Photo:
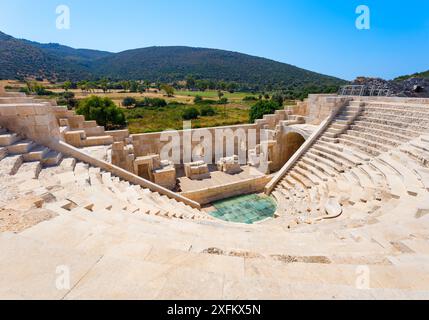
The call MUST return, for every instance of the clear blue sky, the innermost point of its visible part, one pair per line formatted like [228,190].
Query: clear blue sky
[319,35]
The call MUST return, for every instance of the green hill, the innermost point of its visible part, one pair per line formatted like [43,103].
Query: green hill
[168,64]
[20,59]
[23,58]
[70,54]
[424,74]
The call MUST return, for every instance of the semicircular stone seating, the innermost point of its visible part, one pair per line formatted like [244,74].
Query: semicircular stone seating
[119,240]
[359,159]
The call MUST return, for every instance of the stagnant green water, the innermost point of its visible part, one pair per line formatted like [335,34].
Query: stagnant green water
[245,209]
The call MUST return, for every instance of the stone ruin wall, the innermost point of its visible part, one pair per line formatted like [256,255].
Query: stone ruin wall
[150,143]
[39,121]
[320,106]
[300,109]
[315,109]
[36,121]
[211,194]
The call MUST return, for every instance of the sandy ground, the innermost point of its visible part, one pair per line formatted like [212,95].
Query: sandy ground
[17,221]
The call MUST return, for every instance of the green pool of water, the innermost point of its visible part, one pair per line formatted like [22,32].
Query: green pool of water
[245,209]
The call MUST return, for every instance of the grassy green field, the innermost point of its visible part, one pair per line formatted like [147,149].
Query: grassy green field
[213,94]
[144,120]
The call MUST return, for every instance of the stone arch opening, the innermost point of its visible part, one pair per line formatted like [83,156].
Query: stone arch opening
[293,141]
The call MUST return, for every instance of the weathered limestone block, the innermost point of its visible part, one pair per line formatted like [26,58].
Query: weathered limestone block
[76,121]
[90,124]
[261,123]
[165,175]
[75,138]
[270,120]
[8,111]
[97,141]
[119,135]
[228,190]
[40,126]
[253,159]
[197,170]
[64,122]
[94,131]
[144,166]
[122,156]
[230,165]
[25,110]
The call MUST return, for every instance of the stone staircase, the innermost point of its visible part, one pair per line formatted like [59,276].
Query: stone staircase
[18,152]
[361,157]
[75,130]
[80,133]
[65,184]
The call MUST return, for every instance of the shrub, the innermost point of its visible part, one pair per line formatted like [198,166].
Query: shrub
[41,91]
[250,98]
[102,110]
[223,101]
[176,103]
[209,101]
[190,113]
[207,111]
[44,92]
[169,90]
[129,102]
[151,102]
[24,90]
[198,99]
[278,98]
[67,99]
[261,108]
[38,89]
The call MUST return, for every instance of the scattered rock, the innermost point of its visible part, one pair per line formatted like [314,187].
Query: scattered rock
[17,221]
[412,87]
[248,255]
[215,251]
[301,259]
[241,254]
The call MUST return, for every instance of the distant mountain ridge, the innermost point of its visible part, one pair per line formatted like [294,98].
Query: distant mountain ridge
[68,53]
[24,58]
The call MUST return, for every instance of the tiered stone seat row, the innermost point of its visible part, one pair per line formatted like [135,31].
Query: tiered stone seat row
[360,148]
[76,185]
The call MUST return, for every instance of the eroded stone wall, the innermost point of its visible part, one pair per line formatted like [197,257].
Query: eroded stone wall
[35,121]
[320,106]
[150,143]
[211,194]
